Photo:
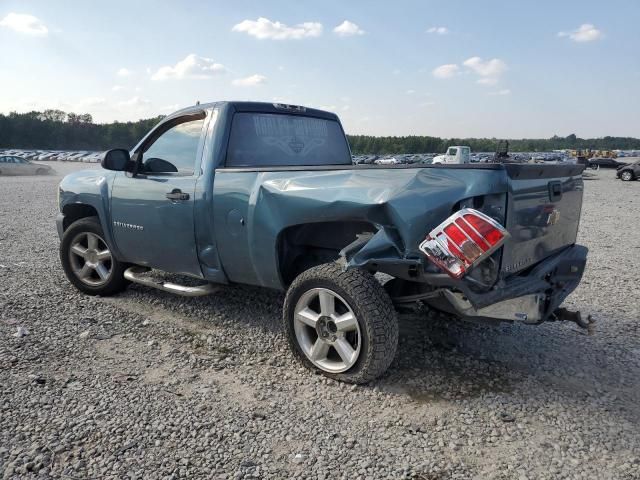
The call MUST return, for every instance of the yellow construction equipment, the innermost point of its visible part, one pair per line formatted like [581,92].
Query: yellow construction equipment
[588,153]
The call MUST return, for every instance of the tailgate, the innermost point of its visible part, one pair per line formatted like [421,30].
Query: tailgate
[543,212]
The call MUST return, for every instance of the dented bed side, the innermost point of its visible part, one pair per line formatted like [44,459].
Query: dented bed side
[253,207]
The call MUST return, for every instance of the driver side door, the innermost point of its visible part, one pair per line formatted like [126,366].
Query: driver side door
[152,210]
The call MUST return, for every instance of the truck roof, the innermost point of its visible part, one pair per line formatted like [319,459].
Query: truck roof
[262,107]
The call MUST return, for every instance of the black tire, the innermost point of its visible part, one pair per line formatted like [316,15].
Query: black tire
[115,282]
[626,176]
[374,312]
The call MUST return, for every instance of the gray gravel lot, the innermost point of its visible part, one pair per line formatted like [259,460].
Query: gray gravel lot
[149,385]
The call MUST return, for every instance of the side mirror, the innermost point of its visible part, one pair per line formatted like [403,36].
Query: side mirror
[117,159]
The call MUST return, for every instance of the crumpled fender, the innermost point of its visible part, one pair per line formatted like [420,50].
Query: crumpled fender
[384,246]
[403,203]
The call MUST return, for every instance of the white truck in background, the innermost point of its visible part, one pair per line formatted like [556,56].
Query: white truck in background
[454,155]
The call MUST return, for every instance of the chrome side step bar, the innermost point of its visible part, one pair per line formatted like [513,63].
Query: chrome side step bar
[136,274]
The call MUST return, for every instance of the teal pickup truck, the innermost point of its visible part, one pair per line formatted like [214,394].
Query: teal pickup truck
[267,195]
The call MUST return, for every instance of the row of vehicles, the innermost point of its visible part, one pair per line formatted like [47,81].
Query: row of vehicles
[55,155]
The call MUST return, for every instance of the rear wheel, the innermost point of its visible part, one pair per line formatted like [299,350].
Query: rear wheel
[87,259]
[341,323]
[626,176]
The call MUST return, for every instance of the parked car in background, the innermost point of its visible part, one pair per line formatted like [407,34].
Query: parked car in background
[12,165]
[602,162]
[629,172]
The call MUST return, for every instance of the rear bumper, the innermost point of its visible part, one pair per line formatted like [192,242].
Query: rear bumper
[530,297]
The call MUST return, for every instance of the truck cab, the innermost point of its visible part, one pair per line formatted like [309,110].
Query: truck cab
[456,155]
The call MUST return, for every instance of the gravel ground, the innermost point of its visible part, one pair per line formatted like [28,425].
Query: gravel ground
[149,385]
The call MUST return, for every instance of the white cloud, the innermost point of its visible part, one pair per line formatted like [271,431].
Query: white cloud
[489,71]
[135,102]
[426,104]
[24,23]
[92,102]
[250,81]
[348,29]
[446,71]
[193,66]
[438,30]
[410,92]
[504,91]
[585,33]
[123,72]
[263,28]
[170,108]
[117,88]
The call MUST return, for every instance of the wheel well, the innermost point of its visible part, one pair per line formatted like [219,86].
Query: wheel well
[75,212]
[301,247]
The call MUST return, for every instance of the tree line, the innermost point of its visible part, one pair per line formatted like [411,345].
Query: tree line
[58,130]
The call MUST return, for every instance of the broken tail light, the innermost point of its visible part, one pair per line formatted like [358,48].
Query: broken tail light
[463,240]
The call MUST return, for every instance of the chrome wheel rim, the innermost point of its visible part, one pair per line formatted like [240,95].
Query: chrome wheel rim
[91,259]
[626,176]
[327,330]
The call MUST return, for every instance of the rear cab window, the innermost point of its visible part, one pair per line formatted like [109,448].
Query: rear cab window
[274,140]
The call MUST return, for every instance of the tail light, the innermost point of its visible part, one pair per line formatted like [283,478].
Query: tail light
[463,240]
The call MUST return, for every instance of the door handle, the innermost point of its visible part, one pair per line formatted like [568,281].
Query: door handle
[555,191]
[176,194]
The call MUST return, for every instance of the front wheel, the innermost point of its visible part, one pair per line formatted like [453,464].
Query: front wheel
[341,323]
[626,176]
[87,259]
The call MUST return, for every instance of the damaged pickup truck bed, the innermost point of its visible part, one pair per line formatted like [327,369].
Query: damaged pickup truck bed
[266,194]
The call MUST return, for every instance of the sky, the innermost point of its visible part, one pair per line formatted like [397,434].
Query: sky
[505,69]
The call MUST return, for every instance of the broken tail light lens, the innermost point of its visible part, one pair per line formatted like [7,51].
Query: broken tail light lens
[463,240]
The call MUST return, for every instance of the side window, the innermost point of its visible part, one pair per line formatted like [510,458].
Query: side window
[2,159]
[175,150]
